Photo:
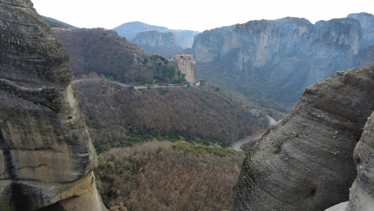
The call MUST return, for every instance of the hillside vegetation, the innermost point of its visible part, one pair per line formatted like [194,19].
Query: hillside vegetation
[104,52]
[120,116]
[166,176]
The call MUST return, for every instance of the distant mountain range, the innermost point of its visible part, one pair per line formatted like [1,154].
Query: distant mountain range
[184,38]
[153,39]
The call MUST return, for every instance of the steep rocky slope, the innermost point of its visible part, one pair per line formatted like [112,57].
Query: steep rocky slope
[164,44]
[46,151]
[305,162]
[281,58]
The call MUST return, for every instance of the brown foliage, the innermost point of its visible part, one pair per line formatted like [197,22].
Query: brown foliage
[153,176]
[104,52]
[205,113]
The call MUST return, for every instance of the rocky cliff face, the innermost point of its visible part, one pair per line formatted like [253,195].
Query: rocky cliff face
[184,38]
[282,57]
[187,66]
[367,23]
[207,45]
[46,152]
[164,44]
[361,195]
[305,162]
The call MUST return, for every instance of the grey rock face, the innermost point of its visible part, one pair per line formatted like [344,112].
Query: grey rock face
[361,197]
[367,23]
[184,38]
[305,161]
[207,45]
[44,142]
[159,43]
[281,57]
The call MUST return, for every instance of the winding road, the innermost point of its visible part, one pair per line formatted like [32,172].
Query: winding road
[236,145]
[125,85]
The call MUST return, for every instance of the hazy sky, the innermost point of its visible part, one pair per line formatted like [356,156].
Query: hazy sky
[198,15]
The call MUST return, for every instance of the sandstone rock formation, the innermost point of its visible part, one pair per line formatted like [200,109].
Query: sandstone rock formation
[164,44]
[281,57]
[187,65]
[46,151]
[305,162]
[207,45]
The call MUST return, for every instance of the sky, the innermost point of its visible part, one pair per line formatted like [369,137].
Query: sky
[197,15]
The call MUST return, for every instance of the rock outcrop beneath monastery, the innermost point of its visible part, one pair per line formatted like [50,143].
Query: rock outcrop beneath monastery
[46,152]
[187,65]
[305,162]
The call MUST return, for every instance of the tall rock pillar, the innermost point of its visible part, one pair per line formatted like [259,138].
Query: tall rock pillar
[46,154]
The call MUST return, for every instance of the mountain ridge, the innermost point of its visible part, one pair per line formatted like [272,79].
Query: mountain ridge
[279,58]
[129,30]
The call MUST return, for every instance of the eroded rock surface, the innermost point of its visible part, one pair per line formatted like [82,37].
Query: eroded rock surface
[45,146]
[305,162]
[362,192]
[361,197]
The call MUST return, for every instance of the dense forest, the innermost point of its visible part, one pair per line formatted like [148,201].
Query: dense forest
[119,116]
[166,177]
